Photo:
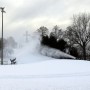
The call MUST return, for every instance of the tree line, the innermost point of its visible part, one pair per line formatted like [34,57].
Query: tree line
[75,40]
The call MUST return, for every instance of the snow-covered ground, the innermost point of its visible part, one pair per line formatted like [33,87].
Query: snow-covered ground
[34,71]
[46,75]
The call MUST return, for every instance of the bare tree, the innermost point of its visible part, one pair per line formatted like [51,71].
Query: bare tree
[43,31]
[79,31]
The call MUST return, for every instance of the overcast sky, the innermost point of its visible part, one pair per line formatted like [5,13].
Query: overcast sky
[29,15]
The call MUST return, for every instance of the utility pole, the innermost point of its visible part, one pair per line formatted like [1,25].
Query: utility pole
[27,35]
[2,10]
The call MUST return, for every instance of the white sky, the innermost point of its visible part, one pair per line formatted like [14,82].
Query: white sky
[22,15]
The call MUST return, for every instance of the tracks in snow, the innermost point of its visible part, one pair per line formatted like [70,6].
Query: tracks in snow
[46,76]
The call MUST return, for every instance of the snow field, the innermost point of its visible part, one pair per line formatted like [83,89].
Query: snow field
[34,71]
[46,75]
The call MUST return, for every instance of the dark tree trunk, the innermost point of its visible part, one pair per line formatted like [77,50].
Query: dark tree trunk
[84,50]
